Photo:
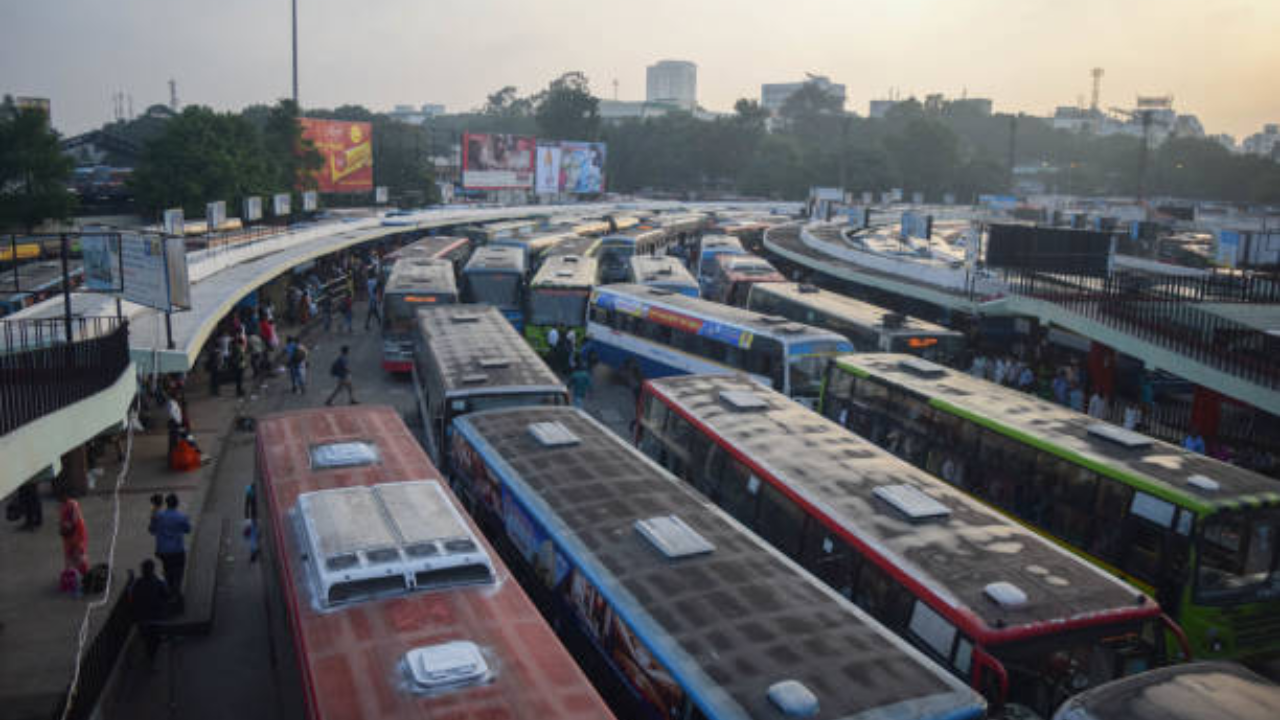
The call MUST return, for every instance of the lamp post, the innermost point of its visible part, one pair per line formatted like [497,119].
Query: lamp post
[294,3]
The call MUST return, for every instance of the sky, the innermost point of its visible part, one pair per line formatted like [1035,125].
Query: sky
[1218,58]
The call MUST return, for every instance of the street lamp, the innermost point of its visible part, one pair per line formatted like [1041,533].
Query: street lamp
[294,3]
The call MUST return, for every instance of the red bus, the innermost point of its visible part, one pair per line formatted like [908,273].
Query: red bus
[1020,619]
[442,247]
[383,599]
[734,275]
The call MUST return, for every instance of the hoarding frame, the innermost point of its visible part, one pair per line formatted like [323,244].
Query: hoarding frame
[520,142]
[347,149]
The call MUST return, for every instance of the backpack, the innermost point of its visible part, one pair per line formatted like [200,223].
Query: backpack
[338,368]
[299,355]
[95,581]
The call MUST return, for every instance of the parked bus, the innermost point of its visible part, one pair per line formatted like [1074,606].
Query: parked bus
[415,281]
[501,230]
[454,248]
[1199,535]
[535,247]
[870,328]
[674,609]
[383,598]
[466,359]
[662,271]
[703,263]
[616,248]
[1192,691]
[733,276]
[651,332]
[496,276]
[1007,611]
[558,299]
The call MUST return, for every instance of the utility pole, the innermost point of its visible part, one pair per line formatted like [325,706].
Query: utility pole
[295,51]
[1013,146]
[66,288]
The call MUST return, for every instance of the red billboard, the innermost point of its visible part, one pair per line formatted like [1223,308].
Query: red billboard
[498,162]
[347,149]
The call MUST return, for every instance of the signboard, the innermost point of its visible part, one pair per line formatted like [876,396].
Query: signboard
[497,162]
[917,198]
[154,271]
[252,209]
[380,195]
[215,214]
[859,216]
[280,204]
[310,201]
[101,258]
[547,181]
[917,225]
[826,193]
[40,105]
[174,222]
[948,198]
[582,167]
[347,149]
[1228,250]
[886,198]
[1045,249]
[998,202]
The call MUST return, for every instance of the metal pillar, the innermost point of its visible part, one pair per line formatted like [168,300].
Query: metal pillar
[66,288]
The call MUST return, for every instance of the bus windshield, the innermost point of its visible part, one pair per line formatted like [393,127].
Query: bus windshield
[399,310]
[498,289]
[1237,557]
[557,306]
[808,361]
[478,403]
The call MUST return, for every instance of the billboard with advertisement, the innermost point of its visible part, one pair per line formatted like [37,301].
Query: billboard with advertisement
[154,271]
[347,150]
[548,177]
[498,162]
[582,167]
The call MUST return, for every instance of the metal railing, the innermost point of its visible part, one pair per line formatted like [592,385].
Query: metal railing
[1168,312]
[40,372]
[98,662]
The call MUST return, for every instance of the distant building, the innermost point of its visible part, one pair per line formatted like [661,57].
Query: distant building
[773,95]
[1164,122]
[672,82]
[1265,143]
[880,108]
[410,115]
[1226,141]
[978,106]
[614,110]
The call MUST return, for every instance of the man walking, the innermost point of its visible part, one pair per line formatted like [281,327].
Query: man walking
[580,383]
[148,598]
[169,526]
[341,370]
[372,285]
[295,354]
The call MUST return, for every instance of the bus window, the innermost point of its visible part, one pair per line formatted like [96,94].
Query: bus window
[1113,502]
[781,521]
[1238,556]
[932,630]
[878,594]
[738,491]
[829,558]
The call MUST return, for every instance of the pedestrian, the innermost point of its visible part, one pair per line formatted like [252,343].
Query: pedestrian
[169,526]
[1061,388]
[1194,441]
[326,311]
[571,341]
[257,355]
[373,312]
[148,599]
[1075,398]
[32,512]
[267,329]
[341,370]
[75,534]
[347,310]
[580,384]
[1132,416]
[251,521]
[1098,406]
[553,341]
[237,361]
[296,359]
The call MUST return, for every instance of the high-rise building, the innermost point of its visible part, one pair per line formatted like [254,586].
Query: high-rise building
[773,95]
[672,82]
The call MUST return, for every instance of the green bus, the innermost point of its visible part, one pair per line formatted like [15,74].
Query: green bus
[1198,534]
[558,298]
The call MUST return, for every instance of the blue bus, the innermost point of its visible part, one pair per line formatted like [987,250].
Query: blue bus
[703,264]
[676,611]
[496,276]
[662,271]
[653,332]
[616,248]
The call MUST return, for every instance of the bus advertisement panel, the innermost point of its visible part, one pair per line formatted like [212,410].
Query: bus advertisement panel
[582,167]
[347,149]
[497,162]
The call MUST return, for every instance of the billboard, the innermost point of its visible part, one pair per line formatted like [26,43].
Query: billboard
[252,209]
[582,167]
[174,222]
[1077,252]
[215,214]
[917,225]
[497,162]
[154,271]
[1228,250]
[281,204]
[380,195]
[347,149]
[101,258]
[917,198]
[548,177]
[310,201]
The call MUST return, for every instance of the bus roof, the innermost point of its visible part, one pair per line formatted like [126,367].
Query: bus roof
[750,266]
[496,258]
[720,243]
[1193,691]
[478,352]
[633,235]
[681,222]
[661,269]
[351,656]
[570,271]
[429,246]
[862,313]
[727,623]
[572,246]
[1158,467]
[426,274]
[767,325]
[956,557]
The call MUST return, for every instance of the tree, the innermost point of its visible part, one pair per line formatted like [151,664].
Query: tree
[812,113]
[505,103]
[925,154]
[34,173]
[292,161]
[567,110]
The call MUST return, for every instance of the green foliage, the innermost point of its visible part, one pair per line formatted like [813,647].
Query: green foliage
[567,110]
[34,173]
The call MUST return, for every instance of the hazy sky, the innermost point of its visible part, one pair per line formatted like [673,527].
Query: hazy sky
[1219,58]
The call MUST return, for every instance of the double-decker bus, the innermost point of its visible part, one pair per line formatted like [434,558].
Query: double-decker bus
[468,358]
[1017,617]
[674,609]
[558,298]
[652,332]
[616,248]
[415,281]
[454,248]
[733,276]
[870,328]
[383,598]
[1212,690]
[703,262]
[496,276]
[1200,535]
[662,271]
